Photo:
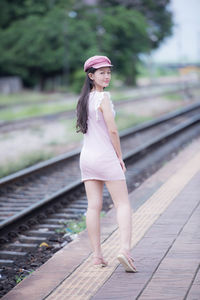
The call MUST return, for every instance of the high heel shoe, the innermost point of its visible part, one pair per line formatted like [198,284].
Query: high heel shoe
[99,262]
[127,262]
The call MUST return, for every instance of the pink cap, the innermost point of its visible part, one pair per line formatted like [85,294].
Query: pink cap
[97,62]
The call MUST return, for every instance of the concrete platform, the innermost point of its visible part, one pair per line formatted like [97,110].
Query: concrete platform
[165,246]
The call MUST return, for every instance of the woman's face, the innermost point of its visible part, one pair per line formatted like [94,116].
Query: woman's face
[101,78]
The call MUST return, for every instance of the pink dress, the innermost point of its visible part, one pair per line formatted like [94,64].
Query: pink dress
[98,159]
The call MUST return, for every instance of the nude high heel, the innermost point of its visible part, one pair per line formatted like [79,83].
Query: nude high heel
[127,262]
[99,262]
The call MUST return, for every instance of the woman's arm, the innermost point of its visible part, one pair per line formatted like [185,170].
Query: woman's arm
[106,109]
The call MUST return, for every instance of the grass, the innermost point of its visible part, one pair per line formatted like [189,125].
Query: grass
[71,134]
[14,113]
[173,96]
[25,96]
[75,227]
[119,97]
[125,120]
[19,278]
[38,109]
[26,160]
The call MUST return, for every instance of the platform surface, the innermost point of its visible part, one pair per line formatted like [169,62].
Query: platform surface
[165,246]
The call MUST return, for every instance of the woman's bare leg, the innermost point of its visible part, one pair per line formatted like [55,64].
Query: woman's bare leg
[94,190]
[119,193]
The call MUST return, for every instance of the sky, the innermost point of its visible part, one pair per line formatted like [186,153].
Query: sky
[184,44]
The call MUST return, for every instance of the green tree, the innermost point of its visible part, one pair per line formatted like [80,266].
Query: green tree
[44,39]
[35,47]
[121,34]
[13,10]
[157,14]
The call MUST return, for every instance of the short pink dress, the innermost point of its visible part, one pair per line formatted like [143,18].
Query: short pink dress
[98,159]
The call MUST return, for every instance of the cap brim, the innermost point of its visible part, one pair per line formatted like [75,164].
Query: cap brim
[102,65]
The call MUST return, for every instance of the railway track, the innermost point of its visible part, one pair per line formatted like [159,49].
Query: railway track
[139,90]
[141,94]
[50,193]
[36,201]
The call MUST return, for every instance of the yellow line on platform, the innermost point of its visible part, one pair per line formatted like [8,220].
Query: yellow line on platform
[84,282]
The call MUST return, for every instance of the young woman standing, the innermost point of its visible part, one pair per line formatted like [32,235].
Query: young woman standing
[101,159]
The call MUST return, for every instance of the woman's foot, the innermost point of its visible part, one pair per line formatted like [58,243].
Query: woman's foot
[127,261]
[99,262]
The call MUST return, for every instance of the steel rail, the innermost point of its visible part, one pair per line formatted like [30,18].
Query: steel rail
[138,152]
[73,154]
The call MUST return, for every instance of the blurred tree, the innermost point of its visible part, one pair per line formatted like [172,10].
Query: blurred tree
[43,39]
[157,14]
[121,33]
[34,46]
[12,10]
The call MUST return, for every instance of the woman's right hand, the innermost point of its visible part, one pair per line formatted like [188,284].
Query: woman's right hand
[122,164]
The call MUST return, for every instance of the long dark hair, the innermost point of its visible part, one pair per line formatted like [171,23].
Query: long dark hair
[82,105]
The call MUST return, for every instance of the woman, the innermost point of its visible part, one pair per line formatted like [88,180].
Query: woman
[101,159]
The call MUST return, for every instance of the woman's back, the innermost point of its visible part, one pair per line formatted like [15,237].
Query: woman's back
[97,134]
[98,158]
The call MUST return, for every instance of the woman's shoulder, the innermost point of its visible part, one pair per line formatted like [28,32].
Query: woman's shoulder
[106,94]
[99,95]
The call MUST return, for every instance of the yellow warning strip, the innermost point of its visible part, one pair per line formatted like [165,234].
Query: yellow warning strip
[84,282]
